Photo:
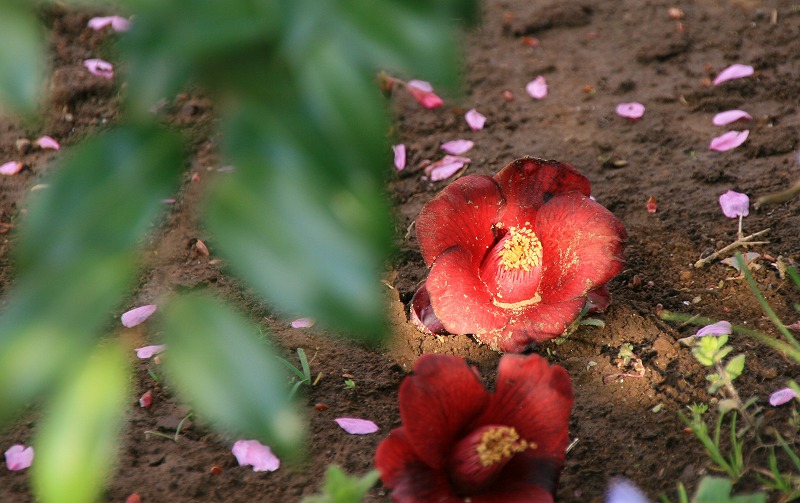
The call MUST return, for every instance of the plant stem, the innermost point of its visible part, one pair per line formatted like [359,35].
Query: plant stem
[742,241]
[732,393]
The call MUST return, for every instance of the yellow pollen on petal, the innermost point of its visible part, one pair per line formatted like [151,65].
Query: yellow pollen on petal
[522,249]
[499,443]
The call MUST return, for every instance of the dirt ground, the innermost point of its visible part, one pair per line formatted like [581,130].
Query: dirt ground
[594,55]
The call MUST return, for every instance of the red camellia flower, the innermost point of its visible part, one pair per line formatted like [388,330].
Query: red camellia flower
[458,442]
[514,256]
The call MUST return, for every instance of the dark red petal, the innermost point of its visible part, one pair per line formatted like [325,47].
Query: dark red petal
[536,399]
[529,183]
[460,298]
[518,283]
[412,480]
[437,401]
[462,214]
[534,324]
[527,475]
[421,313]
[598,300]
[582,243]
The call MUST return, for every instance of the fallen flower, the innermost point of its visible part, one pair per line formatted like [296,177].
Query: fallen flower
[782,396]
[137,315]
[457,147]
[149,351]
[475,119]
[303,323]
[253,452]
[718,328]
[736,71]
[446,167]
[46,142]
[632,110]
[652,204]
[423,92]
[146,400]
[355,426]
[622,490]
[459,441]
[10,168]
[537,88]
[734,204]
[514,256]
[19,457]
[729,116]
[116,23]
[399,156]
[99,68]
[729,140]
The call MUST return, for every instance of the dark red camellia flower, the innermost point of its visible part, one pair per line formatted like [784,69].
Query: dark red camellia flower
[513,257]
[458,442]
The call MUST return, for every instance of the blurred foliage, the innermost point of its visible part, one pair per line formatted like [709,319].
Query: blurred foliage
[302,218]
[339,487]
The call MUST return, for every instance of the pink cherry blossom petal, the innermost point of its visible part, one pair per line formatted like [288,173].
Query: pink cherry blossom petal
[116,23]
[736,71]
[458,147]
[19,457]
[47,142]
[138,315]
[355,426]
[632,110]
[782,396]
[729,140]
[149,351]
[537,88]
[303,323]
[146,400]
[734,204]
[423,92]
[10,168]
[99,68]
[729,116]
[399,156]
[256,454]
[446,167]
[475,119]
[718,328]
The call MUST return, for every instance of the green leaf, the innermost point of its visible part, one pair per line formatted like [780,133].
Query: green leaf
[219,364]
[718,490]
[22,56]
[339,487]
[76,255]
[76,441]
[735,367]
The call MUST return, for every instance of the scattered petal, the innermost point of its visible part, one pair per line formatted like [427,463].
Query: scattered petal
[748,258]
[734,204]
[729,140]
[137,315]
[736,71]
[116,23]
[19,457]
[303,323]
[794,327]
[10,168]
[99,68]
[457,147]
[675,13]
[718,328]
[256,454]
[201,248]
[475,119]
[356,426]
[632,110]
[133,498]
[622,490]
[782,396]
[146,400]
[652,205]
[729,116]
[399,156]
[47,142]
[537,88]
[149,351]
[508,96]
[423,92]
[169,200]
[446,167]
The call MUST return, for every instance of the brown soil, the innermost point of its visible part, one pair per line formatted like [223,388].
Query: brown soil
[594,55]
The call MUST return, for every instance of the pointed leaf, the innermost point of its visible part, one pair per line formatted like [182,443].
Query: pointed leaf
[735,367]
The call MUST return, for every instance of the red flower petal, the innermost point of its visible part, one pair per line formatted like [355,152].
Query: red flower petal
[529,183]
[461,214]
[536,323]
[582,244]
[422,315]
[436,402]
[598,299]
[460,298]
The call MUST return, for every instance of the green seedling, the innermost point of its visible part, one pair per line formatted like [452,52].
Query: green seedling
[339,487]
[627,361]
[349,384]
[715,490]
[176,436]
[580,321]
[787,483]
[153,375]
[302,375]
[732,463]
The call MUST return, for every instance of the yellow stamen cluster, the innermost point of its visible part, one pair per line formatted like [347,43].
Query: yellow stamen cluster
[499,443]
[521,249]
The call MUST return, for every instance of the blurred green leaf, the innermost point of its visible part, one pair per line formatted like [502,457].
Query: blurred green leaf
[339,487]
[22,56]
[76,442]
[220,366]
[735,367]
[718,490]
[76,255]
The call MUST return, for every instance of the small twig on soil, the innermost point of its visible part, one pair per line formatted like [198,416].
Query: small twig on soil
[572,444]
[742,241]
